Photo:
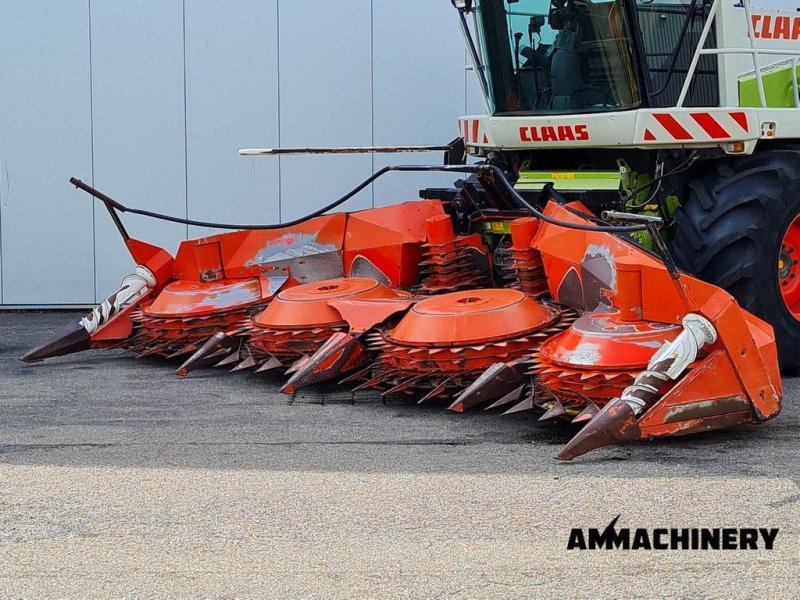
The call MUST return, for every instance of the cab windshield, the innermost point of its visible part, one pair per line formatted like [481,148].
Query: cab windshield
[556,56]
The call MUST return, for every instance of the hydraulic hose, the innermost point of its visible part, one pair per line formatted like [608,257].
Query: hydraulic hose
[498,175]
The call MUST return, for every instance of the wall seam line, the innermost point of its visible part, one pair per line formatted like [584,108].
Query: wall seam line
[2,170]
[91,152]
[372,87]
[278,70]
[185,126]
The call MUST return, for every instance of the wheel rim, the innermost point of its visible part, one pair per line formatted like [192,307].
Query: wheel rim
[789,268]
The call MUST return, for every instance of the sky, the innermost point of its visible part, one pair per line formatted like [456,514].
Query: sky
[788,5]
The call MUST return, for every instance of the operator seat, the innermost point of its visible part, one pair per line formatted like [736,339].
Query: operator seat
[565,67]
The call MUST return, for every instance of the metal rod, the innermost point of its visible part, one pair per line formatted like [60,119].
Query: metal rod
[752,51]
[341,150]
[701,44]
[663,250]
[751,37]
[112,205]
[676,53]
[475,58]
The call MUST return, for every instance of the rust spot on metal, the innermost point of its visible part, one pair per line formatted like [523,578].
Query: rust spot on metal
[706,408]
[712,423]
[211,275]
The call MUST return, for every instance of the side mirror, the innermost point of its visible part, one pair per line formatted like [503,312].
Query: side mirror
[536,24]
[462,5]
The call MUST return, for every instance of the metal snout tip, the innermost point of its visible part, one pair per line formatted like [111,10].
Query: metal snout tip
[71,338]
[614,424]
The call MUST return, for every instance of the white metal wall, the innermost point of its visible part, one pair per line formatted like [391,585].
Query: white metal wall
[150,100]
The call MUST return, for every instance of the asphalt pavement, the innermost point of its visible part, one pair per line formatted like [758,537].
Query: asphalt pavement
[119,479]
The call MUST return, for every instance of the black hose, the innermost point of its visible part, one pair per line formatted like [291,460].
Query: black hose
[154,215]
[681,168]
[499,176]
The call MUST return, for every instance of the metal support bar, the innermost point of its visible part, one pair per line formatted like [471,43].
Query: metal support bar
[112,205]
[341,150]
[753,51]
[712,15]
[751,34]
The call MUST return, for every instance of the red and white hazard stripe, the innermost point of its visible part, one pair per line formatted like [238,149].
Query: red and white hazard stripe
[697,126]
[472,133]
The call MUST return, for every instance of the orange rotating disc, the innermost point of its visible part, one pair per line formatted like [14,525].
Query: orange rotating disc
[599,356]
[307,305]
[445,342]
[471,317]
[189,299]
[186,313]
[300,320]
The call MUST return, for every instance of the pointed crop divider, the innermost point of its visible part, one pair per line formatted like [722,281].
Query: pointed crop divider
[247,363]
[511,397]
[73,337]
[614,424]
[527,404]
[203,356]
[555,411]
[272,364]
[497,380]
[587,414]
[439,389]
[342,352]
[76,336]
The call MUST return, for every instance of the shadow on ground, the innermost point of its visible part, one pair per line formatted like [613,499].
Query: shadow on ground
[112,409]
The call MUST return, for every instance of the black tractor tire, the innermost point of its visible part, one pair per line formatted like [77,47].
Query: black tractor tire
[730,231]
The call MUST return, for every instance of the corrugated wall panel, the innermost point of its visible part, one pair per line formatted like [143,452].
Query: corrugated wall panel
[419,89]
[231,103]
[151,100]
[326,99]
[45,137]
[139,133]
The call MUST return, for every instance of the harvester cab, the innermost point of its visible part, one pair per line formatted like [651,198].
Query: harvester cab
[621,251]
[611,67]
[557,57]
[684,109]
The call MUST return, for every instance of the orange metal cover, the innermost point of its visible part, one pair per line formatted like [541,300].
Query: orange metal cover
[307,305]
[604,341]
[472,316]
[189,299]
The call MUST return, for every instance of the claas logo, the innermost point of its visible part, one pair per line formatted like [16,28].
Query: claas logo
[775,27]
[561,133]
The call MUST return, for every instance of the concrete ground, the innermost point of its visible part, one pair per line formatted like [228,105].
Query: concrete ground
[119,479]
